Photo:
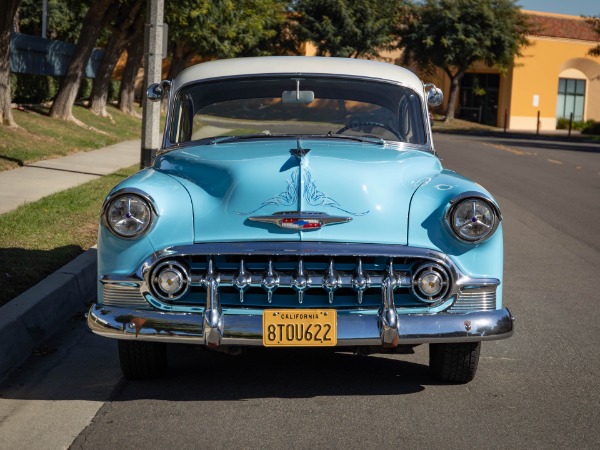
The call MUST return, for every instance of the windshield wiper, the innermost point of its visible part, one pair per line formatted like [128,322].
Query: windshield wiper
[369,139]
[223,139]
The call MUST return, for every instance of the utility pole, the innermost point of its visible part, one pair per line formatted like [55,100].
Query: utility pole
[44,18]
[153,55]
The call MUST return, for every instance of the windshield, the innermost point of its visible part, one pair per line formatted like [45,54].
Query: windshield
[292,106]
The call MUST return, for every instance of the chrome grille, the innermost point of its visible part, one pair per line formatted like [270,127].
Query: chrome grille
[300,281]
[121,295]
[475,298]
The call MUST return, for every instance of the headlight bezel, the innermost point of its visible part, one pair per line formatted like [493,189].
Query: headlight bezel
[460,200]
[139,195]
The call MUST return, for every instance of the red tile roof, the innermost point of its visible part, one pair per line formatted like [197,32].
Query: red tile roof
[568,27]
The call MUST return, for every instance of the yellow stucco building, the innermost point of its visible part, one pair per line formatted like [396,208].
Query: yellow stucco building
[555,77]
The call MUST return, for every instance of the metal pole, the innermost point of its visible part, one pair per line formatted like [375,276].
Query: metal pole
[505,119]
[570,123]
[44,18]
[153,47]
[537,132]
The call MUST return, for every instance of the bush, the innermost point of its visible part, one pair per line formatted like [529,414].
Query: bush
[85,89]
[33,89]
[113,90]
[591,127]
[562,123]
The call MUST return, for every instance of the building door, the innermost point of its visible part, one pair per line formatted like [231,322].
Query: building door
[479,98]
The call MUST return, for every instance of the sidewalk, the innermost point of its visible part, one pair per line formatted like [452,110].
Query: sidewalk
[36,180]
[28,320]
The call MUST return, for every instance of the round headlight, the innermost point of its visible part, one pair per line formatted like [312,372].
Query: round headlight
[128,215]
[473,219]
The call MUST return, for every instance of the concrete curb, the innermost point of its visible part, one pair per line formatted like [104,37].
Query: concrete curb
[29,319]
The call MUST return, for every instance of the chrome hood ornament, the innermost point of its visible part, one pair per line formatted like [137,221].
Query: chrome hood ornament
[301,220]
[299,152]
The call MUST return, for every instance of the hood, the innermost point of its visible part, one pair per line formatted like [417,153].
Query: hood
[367,186]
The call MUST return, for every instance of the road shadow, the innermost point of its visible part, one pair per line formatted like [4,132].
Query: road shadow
[78,365]
[197,375]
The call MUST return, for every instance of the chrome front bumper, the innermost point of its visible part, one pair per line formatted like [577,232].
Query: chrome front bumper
[244,327]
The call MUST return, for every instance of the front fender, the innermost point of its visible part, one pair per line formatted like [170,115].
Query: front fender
[174,224]
[427,228]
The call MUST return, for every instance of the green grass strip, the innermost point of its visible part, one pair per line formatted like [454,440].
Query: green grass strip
[38,238]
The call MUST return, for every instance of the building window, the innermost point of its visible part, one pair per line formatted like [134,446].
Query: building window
[571,98]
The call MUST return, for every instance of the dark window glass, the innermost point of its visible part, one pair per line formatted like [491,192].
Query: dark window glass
[571,99]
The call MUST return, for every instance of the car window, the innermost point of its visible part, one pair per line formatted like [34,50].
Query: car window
[297,106]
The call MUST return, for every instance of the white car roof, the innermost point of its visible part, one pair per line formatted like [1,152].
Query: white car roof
[298,65]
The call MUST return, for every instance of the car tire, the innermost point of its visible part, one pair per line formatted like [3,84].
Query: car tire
[454,363]
[141,360]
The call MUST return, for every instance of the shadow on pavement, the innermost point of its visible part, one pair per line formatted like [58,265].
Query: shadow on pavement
[200,375]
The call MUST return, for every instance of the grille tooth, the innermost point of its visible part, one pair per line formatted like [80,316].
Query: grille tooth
[331,281]
[301,281]
[270,281]
[242,280]
[360,281]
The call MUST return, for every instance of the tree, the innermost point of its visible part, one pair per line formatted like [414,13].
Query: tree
[219,29]
[7,18]
[594,21]
[127,13]
[135,52]
[64,18]
[454,34]
[95,21]
[355,29]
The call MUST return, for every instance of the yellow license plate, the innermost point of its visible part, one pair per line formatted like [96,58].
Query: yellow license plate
[299,328]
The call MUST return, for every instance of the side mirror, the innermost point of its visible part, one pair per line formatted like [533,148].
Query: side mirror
[435,96]
[157,91]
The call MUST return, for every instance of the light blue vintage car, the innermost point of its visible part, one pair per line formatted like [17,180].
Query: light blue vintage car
[299,202]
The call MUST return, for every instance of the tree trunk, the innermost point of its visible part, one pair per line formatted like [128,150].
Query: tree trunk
[10,8]
[113,50]
[127,15]
[135,52]
[94,22]
[182,55]
[454,90]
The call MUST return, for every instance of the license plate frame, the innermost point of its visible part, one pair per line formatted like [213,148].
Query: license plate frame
[299,328]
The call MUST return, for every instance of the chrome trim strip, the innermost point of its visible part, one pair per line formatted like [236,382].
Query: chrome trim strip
[244,327]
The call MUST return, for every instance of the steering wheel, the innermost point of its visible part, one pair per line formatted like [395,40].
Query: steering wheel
[369,124]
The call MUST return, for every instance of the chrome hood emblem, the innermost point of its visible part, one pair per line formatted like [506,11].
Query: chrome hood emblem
[301,220]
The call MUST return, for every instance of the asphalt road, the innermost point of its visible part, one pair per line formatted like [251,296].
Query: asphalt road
[539,389]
